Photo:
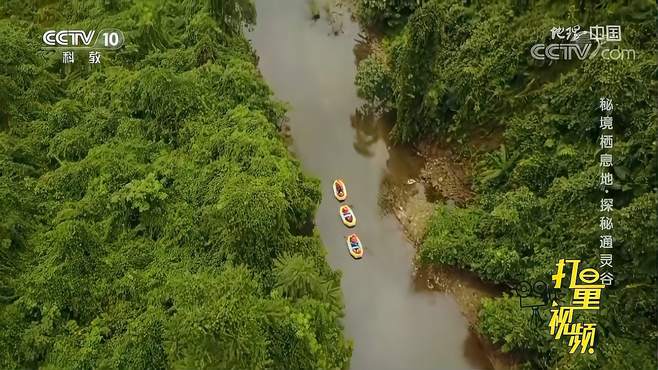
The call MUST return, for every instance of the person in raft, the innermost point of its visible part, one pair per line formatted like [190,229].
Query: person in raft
[353,241]
[348,215]
[339,189]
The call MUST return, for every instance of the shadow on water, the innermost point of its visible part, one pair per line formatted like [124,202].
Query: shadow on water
[367,131]
[393,325]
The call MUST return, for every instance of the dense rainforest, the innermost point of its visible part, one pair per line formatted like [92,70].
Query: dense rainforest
[449,68]
[152,216]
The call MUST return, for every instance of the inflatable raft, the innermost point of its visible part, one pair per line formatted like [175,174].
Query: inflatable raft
[347,216]
[340,192]
[354,246]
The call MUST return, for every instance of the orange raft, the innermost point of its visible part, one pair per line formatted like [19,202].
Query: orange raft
[347,216]
[354,246]
[340,192]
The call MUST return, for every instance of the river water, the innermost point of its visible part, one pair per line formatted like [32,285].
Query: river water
[393,322]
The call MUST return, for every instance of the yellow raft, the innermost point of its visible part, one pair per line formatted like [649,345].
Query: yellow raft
[340,191]
[354,246]
[347,216]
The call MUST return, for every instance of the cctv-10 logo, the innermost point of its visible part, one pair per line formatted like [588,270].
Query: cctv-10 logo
[105,39]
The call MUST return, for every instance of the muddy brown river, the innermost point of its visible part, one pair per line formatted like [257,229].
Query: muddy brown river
[393,322]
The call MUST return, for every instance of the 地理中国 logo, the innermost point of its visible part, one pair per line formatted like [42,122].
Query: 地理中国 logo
[573,44]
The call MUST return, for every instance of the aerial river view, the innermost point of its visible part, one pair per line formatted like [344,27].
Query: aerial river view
[394,322]
[328,184]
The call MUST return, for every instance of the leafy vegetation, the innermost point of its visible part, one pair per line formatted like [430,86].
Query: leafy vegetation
[390,13]
[152,216]
[455,68]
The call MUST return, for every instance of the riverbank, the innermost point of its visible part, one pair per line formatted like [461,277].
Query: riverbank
[445,177]
[441,172]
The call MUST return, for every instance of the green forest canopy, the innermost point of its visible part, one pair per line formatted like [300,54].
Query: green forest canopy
[152,215]
[449,68]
